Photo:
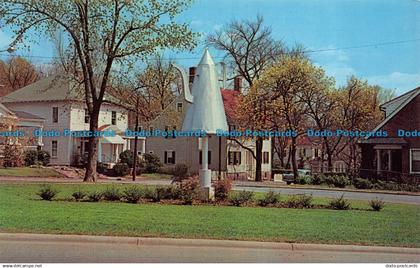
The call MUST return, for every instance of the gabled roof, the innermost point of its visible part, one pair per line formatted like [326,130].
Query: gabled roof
[230,101]
[412,95]
[25,115]
[52,88]
[6,111]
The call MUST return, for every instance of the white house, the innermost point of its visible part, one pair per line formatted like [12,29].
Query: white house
[59,101]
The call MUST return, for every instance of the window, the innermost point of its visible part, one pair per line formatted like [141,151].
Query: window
[200,157]
[232,127]
[179,106]
[169,157]
[415,161]
[54,148]
[316,152]
[234,158]
[87,116]
[55,114]
[113,118]
[266,158]
[302,152]
[151,129]
[170,132]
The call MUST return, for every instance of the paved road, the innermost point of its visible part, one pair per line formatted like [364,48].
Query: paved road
[85,249]
[392,198]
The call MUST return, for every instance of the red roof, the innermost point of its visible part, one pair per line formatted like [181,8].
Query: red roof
[230,102]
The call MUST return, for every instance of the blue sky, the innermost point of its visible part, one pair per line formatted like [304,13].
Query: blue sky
[318,25]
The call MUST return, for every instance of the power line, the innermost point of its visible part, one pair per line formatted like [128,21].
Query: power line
[305,51]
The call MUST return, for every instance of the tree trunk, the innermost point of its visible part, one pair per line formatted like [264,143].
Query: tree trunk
[258,158]
[293,155]
[91,175]
[136,140]
[329,155]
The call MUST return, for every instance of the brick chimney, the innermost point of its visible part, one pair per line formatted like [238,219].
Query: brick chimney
[192,74]
[237,83]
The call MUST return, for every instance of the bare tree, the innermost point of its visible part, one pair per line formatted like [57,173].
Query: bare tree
[249,49]
[146,94]
[16,73]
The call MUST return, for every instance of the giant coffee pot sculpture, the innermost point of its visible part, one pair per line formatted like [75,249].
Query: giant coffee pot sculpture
[206,111]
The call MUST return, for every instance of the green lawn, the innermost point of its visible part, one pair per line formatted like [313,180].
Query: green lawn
[22,211]
[28,172]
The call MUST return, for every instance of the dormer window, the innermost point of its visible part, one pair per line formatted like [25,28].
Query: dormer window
[87,118]
[179,106]
[113,118]
[55,114]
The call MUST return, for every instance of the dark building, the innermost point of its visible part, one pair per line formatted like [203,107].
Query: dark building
[397,155]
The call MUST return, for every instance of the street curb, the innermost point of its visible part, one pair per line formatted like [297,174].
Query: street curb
[325,189]
[148,241]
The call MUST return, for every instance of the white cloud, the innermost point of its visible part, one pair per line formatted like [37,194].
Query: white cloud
[402,82]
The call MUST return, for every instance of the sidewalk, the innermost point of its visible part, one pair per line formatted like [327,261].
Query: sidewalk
[22,247]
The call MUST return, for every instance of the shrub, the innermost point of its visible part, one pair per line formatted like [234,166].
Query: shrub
[303,180]
[181,171]
[172,192]
[121,169]
[189,189]
[376,204]
[156,194]
[94,196]
[340,203]
[79,195]
[47,192]
[299,201]
[240,198]
[112,194]
[127,157]
[360,183]
[152,163]
[168,192]
[43,157]
[339,181]
[222,189]
[12,155]
[270,198]
[101,168]
[31,158]
[167,170]
[133,194]
[318,179]
[36,157]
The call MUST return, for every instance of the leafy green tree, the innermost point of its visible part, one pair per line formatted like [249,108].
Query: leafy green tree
[97,35]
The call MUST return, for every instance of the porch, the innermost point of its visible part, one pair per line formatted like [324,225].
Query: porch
[383,158]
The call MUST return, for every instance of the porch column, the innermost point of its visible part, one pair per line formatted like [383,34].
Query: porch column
[389,160]
[40,137]
[99,151]
[378,161]
[116,152]
[143,146]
